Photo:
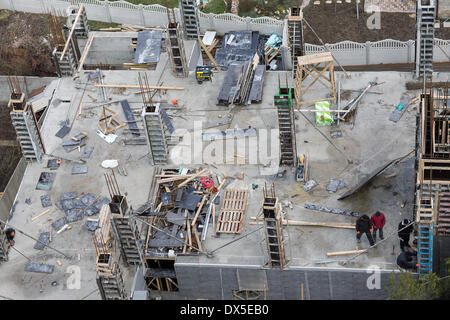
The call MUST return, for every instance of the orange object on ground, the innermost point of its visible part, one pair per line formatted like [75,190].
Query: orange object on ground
[174,101]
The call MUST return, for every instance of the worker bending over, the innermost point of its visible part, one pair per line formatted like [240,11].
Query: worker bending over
[363,225]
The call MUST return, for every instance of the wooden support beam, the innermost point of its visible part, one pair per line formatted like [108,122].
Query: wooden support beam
[197,238]
[71,32]
[178,177]
[40,214]
[136,87]
[213,209]
[209,54]
[310,224]
[86,51]
[198,211]
[203,172]
[344,253]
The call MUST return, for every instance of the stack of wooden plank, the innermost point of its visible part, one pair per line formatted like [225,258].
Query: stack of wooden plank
[129,28]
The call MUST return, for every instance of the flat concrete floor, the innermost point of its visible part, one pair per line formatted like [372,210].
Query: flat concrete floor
[369,143]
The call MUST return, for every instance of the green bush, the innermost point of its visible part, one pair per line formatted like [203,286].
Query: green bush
[215,6]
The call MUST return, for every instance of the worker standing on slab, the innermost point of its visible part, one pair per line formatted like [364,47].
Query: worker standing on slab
[378,220]
[363,225]
[404,234]
[10,233]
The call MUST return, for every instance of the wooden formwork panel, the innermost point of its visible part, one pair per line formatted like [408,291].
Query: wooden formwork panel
[232,212]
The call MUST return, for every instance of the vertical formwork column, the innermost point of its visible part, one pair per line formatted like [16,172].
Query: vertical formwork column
[156,137]
[176,46]
[27,129]
[111,286]
[295,33]
[128,236]
[4,246]
[273,229]
[190,19]
[425,18]
[286,124]
[82,26]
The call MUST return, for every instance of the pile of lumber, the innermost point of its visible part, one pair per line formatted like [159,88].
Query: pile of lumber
[270,53]
[183,209]
[129,28]
[242,84]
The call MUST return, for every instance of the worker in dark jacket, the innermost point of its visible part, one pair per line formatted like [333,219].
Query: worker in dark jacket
[404,233]
[406,261]
[363,225]
[378,220]
[10,234]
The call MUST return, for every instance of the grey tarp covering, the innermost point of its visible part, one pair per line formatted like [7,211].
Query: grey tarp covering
[44,239]
[257,85]
[45,181]
[229,84]
[39,267]
[148,46]
[237,46]
[46,201]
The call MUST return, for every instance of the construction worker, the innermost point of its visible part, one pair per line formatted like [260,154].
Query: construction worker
[10,233]
[378,220]
[403,235]
[363,225]
[406,261]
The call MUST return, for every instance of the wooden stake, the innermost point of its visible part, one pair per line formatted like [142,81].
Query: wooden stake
[41,214]
[203,172]
[71,33]
[309,224]
[344,253]
[197,238]
[198,211]
[86,51]
[302,292]
[214,218]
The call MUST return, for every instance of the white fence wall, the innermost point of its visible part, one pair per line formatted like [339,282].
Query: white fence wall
[387,51]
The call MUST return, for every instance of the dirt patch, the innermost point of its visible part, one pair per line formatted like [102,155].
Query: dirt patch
[7,131]
[25,44]
[9,158]
[337,22]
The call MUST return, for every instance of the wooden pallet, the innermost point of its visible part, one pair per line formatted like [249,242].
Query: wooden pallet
[232,212]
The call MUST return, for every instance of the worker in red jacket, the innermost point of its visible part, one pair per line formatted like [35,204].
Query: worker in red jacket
[378,220]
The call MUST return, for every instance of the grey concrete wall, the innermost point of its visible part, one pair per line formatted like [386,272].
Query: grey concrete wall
[111,51]
[218,282]
[10,192]
[31,83]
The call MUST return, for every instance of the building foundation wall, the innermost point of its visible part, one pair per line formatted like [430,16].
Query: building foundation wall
[217,282]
